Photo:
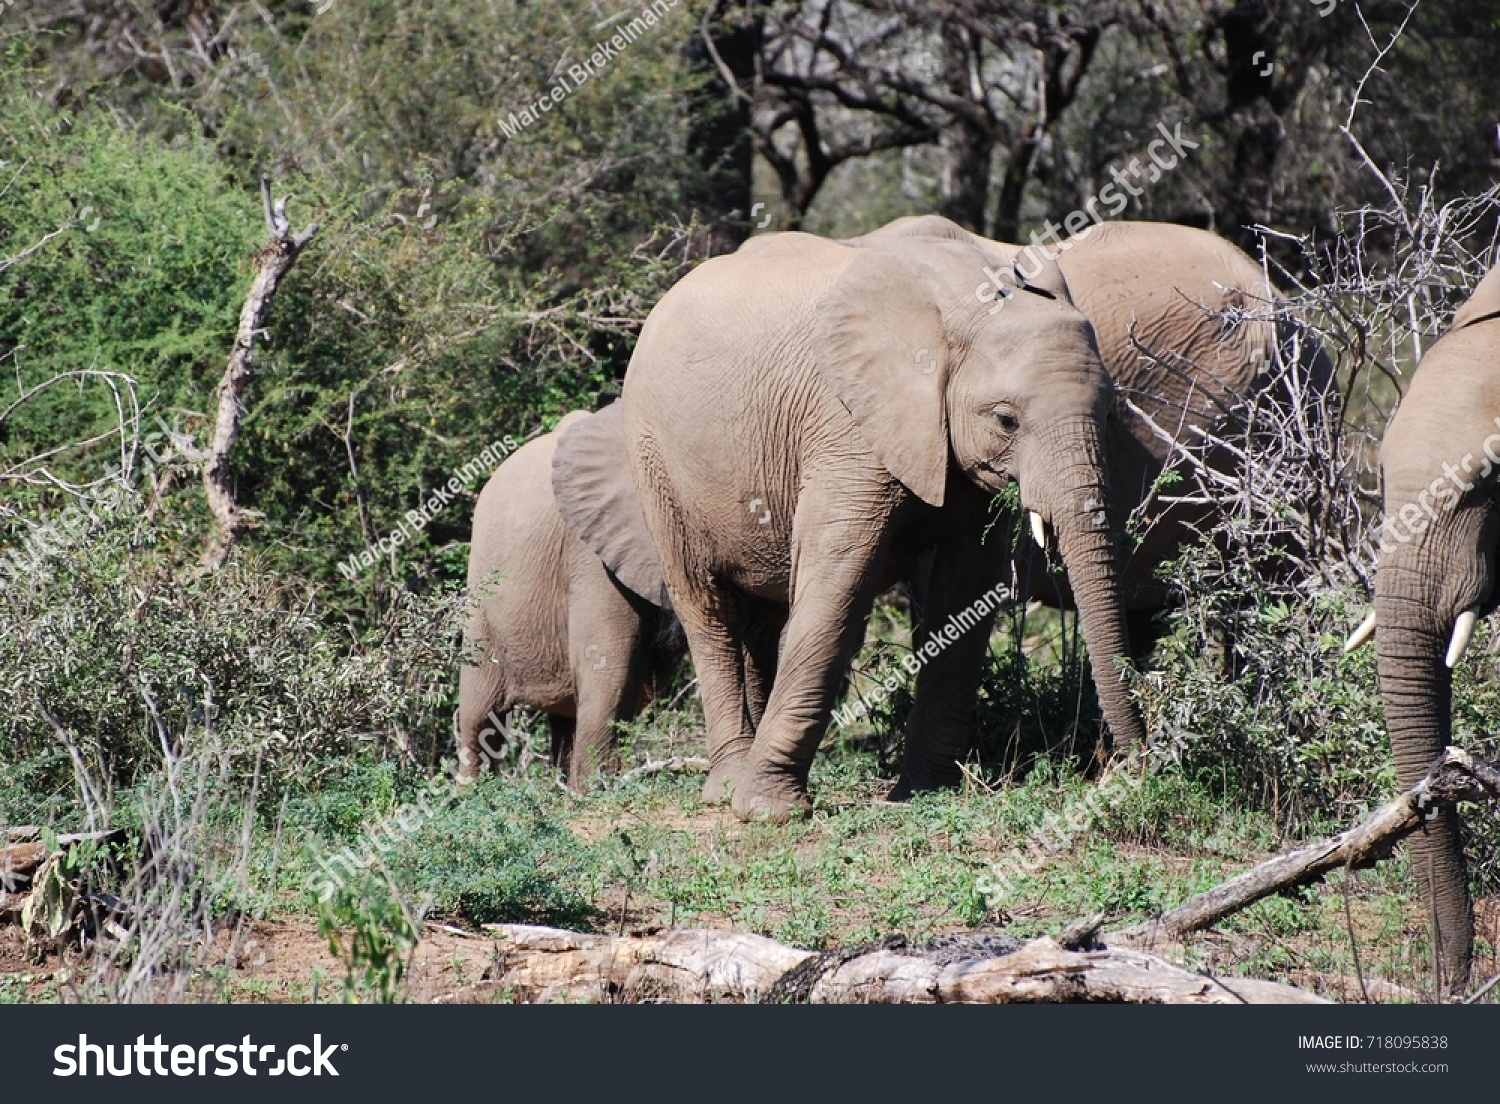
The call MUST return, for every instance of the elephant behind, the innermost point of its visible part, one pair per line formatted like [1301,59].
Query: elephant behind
[802,419]
[551,627]
[1181,317]
[1440,469]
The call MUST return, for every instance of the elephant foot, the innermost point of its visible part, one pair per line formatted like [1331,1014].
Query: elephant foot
[722,771]
[776,800]
[720,782]
[719,785]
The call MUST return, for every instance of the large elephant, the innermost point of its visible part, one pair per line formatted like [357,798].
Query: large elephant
[552,628]
[1184,323]
[1440,469]
[804,417]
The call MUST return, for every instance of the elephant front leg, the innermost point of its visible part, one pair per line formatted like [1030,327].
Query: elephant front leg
[961,599]
[831,599]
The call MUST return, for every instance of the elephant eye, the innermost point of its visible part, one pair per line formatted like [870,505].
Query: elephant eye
[1008,421]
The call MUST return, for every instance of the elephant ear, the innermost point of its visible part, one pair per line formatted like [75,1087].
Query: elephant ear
[597,500]
[882,348]
[1483,305]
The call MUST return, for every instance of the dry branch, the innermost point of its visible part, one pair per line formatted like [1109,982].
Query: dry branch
[1457,776]
[661,766]
[271,264]
[704,967]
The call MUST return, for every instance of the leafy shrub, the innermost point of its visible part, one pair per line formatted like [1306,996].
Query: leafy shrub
[112,654]
[372,935]
[494,854]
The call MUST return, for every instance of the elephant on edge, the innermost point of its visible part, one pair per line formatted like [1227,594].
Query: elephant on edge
[802,418]
[558,631]
[1440,470]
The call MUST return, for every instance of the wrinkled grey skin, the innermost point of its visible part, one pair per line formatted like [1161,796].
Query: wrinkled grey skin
[1441,494]
[1165,288]
[552,628]
[802,419]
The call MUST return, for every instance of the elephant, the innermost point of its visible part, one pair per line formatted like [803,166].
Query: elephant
[1183,320]
[1435,576]
[558,631]
[803,418]
[1181,317]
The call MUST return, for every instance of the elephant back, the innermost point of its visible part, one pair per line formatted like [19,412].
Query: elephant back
[1182,318]
[1483,305]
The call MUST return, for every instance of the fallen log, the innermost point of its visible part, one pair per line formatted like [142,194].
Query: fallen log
[705,967]
[1456,776]
[18,863]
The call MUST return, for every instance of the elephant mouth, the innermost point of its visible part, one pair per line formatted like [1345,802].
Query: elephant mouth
[991,476]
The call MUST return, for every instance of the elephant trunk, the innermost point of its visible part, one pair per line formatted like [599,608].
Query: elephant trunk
[1076,504]
[1413,629]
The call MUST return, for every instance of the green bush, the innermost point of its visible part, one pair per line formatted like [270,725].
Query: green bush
[109,650]
[494,854]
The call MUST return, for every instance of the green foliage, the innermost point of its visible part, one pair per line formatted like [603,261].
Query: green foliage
[493,854]
[369,930]
[109,650]
[145,275]
[1281,718]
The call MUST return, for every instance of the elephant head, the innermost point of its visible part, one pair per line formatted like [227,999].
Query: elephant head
[1440,466]
[942,385]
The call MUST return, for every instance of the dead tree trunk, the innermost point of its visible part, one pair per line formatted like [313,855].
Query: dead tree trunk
[271,264]
[704,967]
[1457,776]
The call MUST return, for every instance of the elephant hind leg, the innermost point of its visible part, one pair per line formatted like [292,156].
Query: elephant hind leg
[484,701]
[713,621]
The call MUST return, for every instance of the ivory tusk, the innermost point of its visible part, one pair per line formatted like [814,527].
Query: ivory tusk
[1463,629]
[1361,636]
[1038,529]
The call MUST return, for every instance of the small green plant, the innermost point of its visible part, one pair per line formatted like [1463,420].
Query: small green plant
[373,935]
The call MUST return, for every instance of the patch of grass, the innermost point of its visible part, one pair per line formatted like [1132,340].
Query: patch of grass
[496,853]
